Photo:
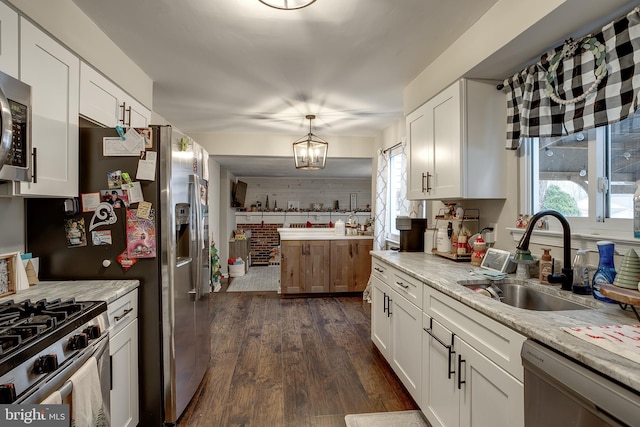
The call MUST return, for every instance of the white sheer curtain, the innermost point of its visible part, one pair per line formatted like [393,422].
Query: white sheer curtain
[382,189]
[411,208]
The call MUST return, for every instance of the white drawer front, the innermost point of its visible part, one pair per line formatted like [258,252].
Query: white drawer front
[381,270]
[407,286]
[122,311]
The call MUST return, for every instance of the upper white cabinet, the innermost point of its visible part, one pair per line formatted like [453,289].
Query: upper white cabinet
[8,41]
[103,102]
[456,144]
[53,73]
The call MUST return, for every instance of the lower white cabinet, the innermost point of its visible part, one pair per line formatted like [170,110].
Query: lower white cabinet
[462,387]
[462,367]
[472,371]
[123,349]
[396,329]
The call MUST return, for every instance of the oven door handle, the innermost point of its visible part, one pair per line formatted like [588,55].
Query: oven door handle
[61,381]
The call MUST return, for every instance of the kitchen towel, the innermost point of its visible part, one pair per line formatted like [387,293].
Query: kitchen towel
[620,339]
[54,398]
[86,397]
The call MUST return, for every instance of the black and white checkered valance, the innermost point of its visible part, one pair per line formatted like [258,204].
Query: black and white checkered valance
[569,74]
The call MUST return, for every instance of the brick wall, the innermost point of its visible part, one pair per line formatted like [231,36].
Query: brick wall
[265,241]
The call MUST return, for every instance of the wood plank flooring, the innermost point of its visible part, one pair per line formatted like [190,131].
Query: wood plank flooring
[292,362]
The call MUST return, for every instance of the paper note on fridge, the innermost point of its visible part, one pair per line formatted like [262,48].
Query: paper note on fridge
[114,146]
[147,166]
[134,191]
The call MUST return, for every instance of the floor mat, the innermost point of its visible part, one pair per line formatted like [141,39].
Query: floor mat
[258,278]
[387,419]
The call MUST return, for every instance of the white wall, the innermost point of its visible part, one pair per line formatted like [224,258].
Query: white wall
[307,191]
[511,33]
[12,226]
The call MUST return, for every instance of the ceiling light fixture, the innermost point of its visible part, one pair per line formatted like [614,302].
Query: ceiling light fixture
[287,4]
[310,152]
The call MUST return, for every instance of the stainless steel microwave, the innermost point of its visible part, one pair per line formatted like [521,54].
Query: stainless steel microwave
[15,123]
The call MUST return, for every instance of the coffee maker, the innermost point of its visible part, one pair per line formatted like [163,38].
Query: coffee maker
[411,233]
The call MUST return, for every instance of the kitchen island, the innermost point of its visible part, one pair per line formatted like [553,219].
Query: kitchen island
[317,261]
[441,275]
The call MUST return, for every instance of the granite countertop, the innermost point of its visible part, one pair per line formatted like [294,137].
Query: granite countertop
[544,326]
[316,234]
[81,290]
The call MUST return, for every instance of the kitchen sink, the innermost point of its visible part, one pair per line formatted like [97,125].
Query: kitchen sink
[521,296]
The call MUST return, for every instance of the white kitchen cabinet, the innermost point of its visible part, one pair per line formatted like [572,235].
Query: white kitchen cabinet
[9,41]
[472,373]
[380,323]
[456,144]
[123,349]
[396,331]
[53,72]
[105,103]
[461,387]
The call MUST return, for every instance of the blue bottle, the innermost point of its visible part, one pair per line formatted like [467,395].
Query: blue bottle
[606,271]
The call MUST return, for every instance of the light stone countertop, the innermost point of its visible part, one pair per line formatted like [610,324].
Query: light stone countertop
[316,234]
[81,290]
[544,326]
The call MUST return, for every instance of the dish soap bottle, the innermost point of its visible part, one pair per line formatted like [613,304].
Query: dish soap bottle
[581,283]
[606,271]
[546,266]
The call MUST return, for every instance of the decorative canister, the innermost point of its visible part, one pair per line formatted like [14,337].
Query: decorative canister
[340,228]
[479,251]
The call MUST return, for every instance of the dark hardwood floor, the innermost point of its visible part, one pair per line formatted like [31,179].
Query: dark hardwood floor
[292,362]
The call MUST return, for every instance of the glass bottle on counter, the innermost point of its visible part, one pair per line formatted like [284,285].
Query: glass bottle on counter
[546,266]
[581,284]
[606,271]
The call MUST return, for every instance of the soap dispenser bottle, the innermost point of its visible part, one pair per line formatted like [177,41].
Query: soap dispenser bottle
[546,266]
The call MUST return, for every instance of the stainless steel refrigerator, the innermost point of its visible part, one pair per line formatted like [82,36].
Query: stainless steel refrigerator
[174,288]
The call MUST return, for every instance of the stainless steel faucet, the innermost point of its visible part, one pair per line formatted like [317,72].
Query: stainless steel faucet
[565,278]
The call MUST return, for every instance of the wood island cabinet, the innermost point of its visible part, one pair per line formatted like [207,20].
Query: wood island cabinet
[350,265]
[328,264]
[304,266]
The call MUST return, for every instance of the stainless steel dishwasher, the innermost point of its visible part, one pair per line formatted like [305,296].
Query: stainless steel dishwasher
[560,392]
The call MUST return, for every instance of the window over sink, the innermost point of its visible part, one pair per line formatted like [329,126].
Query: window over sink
[589,176]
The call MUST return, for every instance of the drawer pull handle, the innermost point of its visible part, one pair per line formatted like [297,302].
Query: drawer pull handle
[402,285]
[123,315]
[449,347]
[379,270]
[460,362]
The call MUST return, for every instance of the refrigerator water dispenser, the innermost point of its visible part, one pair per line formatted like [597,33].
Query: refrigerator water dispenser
[183,237]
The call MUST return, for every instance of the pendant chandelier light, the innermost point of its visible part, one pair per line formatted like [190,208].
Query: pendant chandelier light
[287,4]
[310,152]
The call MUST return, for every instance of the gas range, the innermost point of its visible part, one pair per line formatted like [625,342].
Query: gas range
[39,340]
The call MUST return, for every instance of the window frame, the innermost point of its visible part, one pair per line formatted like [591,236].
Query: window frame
[392,234]
[586,231]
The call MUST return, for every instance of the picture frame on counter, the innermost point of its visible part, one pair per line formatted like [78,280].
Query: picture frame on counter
[353,201]
[7,275]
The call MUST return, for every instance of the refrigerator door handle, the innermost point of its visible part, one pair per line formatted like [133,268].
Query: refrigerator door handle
[196,241]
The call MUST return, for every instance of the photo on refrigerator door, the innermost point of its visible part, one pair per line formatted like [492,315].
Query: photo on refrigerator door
[75,232]
[141,236]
